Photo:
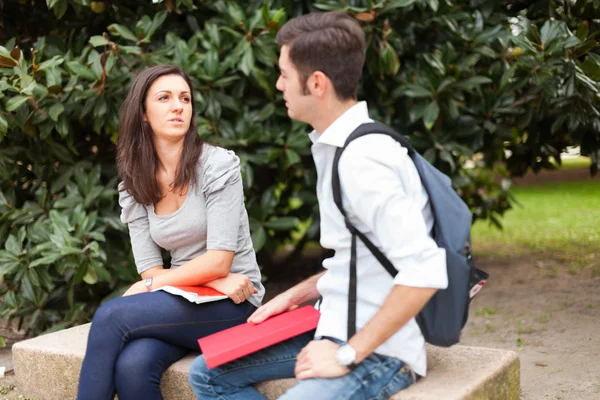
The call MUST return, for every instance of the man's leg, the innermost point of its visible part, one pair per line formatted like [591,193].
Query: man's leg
[234,380]
[376,378]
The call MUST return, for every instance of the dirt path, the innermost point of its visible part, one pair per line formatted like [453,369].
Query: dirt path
[549,311]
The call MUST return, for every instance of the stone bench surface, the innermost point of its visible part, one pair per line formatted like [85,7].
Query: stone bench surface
[47,368]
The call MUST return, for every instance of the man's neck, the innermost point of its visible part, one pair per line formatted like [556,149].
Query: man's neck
[330,114]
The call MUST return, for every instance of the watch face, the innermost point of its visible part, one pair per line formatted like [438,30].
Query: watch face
[346,355]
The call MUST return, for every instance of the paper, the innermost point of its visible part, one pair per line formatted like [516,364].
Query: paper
[194,294]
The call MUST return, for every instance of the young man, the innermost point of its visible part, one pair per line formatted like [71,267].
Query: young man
[322,56]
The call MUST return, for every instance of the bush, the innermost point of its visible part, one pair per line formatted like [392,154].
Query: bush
[484,89]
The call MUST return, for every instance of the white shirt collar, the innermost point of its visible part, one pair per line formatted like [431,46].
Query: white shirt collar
[337,133]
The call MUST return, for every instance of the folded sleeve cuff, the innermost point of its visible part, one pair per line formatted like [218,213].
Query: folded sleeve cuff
[426,270]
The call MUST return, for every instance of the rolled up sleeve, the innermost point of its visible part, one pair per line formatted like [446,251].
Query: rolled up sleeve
[146,252]
[382,189]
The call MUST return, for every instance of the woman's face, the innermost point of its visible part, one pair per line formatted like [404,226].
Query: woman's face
[169,107]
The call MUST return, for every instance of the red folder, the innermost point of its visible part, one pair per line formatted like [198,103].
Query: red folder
[241,340]
[194,294]
[199,290]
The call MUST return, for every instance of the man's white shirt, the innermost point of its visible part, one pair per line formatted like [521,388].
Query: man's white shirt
[383,197]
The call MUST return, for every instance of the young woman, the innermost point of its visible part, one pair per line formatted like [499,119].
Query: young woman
[185,196]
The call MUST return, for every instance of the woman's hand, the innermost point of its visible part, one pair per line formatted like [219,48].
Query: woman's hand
[237,287]
[136,288]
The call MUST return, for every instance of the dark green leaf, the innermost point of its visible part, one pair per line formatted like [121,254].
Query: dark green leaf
[59,7]
[97,41]
[259,237]
[414,91]
[550,30]
[246,64]
[488,35]
[473,82]
[124,32]
[583,30]
[282,223]
[434,4]
[82,71]
[55,110]
[52,63]
[49,259]
[91,277]
[3,124]
[15,102]
[398,4]
[12,245]
[430,114]
[292,157]
[157,21]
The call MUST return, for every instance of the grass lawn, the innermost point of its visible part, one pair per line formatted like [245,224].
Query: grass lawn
[561,218]
[575,163]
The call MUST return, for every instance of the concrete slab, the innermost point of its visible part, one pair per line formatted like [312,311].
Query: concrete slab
[47,368]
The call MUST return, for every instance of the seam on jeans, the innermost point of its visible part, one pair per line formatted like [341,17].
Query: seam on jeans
[357,388]
[392,386]
[217,395]
[377,371]
[251,365]
[389,389]
[127,333]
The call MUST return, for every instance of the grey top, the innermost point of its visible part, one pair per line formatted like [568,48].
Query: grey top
[212,217]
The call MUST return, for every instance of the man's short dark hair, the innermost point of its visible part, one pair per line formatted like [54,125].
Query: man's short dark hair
[332,43]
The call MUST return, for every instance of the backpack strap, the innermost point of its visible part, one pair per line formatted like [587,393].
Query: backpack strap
[364,129]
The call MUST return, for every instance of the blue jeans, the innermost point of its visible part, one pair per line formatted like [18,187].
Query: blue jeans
[377,377]
[134,339]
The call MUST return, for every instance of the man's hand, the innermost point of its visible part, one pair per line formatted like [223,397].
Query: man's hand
[136,288]
[238,287]
[317,360]
[277,305]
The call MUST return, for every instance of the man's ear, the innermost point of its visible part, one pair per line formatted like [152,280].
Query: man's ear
[319,84]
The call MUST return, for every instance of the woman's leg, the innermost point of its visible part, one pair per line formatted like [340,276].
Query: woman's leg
[140,366]
[157,315]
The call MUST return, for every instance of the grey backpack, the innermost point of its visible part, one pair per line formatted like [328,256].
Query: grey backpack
[443,317]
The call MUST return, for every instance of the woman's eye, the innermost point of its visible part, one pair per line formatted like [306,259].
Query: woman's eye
[163,97]
[186,99]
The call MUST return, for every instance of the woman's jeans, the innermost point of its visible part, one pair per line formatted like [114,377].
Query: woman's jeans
[134,339]
[377,377]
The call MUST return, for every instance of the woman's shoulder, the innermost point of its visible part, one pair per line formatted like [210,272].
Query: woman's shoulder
[217,165]
[215,158]
[212,155]
[130,208]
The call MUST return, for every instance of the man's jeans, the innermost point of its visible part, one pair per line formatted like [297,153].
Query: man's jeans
[377,377]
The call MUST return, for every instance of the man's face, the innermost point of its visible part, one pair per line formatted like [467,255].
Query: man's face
[298,103]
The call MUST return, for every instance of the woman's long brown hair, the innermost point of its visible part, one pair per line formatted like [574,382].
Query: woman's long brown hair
[137,161]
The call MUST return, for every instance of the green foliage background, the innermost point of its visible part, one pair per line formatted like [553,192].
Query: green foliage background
[485,89]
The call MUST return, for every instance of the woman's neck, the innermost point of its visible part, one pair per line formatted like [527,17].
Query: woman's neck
[169,154]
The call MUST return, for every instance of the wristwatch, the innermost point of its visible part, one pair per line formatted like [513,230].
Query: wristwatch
[148,284]
[346,356]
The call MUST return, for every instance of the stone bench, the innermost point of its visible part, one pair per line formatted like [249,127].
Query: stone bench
[47,368]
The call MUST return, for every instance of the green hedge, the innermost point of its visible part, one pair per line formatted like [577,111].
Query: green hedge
[485,90]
